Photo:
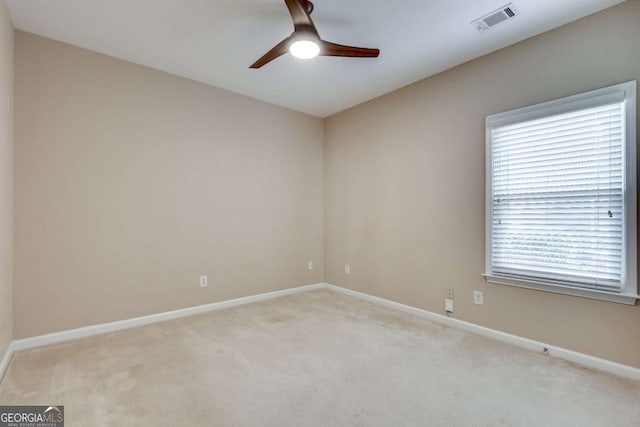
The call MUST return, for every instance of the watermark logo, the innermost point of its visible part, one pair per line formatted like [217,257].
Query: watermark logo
[32,416]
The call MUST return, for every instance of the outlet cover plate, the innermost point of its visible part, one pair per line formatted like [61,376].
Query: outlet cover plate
[448,305]
[478,297]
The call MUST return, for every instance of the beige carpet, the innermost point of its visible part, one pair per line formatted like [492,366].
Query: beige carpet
[312,359]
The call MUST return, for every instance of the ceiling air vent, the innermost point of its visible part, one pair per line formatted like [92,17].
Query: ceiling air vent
[494,18]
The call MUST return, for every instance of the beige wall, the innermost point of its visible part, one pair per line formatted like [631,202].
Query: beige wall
[131,183]
[404,185]
[6,179]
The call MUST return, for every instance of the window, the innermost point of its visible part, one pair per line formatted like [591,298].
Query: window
[561,195]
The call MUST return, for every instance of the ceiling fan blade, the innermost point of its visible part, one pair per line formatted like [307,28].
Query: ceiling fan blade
[333,49]
[279,50]
[301,18]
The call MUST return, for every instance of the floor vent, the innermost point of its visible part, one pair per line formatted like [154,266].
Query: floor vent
[494,18]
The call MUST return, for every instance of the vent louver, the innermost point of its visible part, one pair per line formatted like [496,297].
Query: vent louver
[494,18]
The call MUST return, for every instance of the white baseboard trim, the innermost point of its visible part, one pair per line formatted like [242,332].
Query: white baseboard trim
[585,360]
[4,364]
[73,334]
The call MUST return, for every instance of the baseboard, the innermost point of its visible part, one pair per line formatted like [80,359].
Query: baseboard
[73,334]
[4,363]
[585,360]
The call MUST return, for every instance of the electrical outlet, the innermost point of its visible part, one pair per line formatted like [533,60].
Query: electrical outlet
[450,293]
[310,265]
[478,297]
[347,269]
[448,305]
[203,282]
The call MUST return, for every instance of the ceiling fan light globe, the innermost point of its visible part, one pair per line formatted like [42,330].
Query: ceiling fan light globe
[304,49]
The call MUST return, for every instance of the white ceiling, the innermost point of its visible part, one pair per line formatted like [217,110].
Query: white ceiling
[215,41]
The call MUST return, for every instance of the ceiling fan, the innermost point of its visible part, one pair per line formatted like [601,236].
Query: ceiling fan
[305,42]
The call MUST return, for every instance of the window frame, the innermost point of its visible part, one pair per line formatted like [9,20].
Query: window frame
[594,98]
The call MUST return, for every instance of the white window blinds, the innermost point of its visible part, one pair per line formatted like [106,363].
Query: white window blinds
[558,198]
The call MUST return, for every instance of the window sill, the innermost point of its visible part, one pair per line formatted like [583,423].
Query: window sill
[621,298]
